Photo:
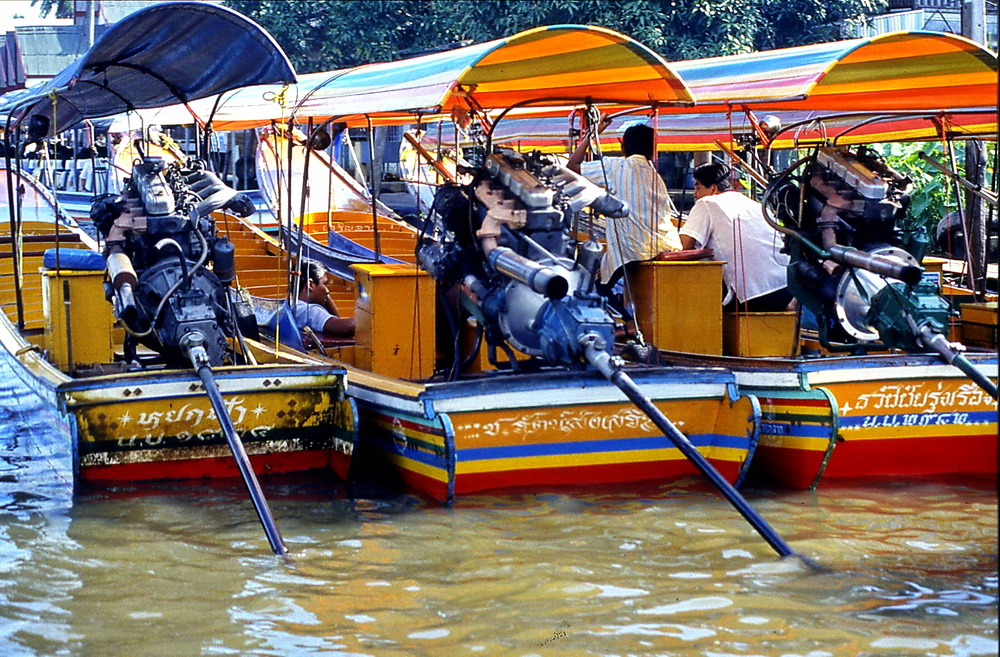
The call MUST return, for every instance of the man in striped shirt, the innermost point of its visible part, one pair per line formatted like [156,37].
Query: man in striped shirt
[647,230]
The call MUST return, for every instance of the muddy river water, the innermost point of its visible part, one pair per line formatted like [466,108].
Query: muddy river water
[908,568]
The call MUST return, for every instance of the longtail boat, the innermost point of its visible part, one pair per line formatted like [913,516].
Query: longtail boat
[503,419]
[497,429]
[806,438]
[160,383]
[848,404]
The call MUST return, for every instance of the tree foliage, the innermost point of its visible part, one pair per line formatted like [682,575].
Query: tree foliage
[64,8]
[327,34]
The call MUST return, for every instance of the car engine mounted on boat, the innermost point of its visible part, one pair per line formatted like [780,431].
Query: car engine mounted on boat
[853,266]
[851,263]
[160,239]
[507,242]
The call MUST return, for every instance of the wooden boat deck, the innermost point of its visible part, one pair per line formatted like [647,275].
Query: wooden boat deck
[37,237]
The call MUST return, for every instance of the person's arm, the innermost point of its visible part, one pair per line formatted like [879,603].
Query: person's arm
[696,232]
[581,149]
[336,325]
[318,318]
[330,306]
[576,159]
[339,326]
[688,243]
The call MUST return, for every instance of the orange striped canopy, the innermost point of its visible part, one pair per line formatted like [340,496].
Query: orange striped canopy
[558,65]
[902,86]
[901,71]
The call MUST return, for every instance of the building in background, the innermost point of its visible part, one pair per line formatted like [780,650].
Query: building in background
[31,54]
[931,15]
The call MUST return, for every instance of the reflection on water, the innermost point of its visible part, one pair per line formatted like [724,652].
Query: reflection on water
[909,569]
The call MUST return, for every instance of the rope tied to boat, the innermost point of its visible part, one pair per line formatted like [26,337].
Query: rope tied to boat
[279,97]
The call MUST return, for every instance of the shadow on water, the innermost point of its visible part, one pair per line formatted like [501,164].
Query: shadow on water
[35,459]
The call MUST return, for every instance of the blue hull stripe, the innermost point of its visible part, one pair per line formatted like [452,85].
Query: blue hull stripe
[777,428]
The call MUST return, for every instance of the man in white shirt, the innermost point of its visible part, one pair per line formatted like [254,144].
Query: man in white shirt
[647,231]
[733,226]
[315,308]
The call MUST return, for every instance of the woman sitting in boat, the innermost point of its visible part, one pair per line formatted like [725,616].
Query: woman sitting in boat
[732,225]
[315,308]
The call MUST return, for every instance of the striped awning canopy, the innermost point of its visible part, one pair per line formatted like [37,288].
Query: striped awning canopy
[800,128]
[901,71]
[892,87]
[905,86]
[556,65]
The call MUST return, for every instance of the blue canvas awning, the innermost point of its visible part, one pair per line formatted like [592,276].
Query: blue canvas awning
[160,55]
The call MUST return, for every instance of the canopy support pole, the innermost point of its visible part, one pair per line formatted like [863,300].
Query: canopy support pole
[372,188]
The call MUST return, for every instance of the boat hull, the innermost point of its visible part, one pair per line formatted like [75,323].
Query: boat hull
[849,418]
[550,430]
[141,426]
[163,426]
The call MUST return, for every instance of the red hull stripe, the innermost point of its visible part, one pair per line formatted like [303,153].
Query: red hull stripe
[220,467]
[586,475]
[888,458]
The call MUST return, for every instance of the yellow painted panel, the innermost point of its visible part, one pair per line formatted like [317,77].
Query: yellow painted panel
[148,422]
[759,334]
[394,320]
[979,324]
[91,319]
[679,305]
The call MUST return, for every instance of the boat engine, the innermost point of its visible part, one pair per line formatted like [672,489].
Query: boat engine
[508,243]
[160,241]
[851,264]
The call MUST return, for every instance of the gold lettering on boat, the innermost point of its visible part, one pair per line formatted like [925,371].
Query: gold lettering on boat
[563,423]
[919,398]
[190,415]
